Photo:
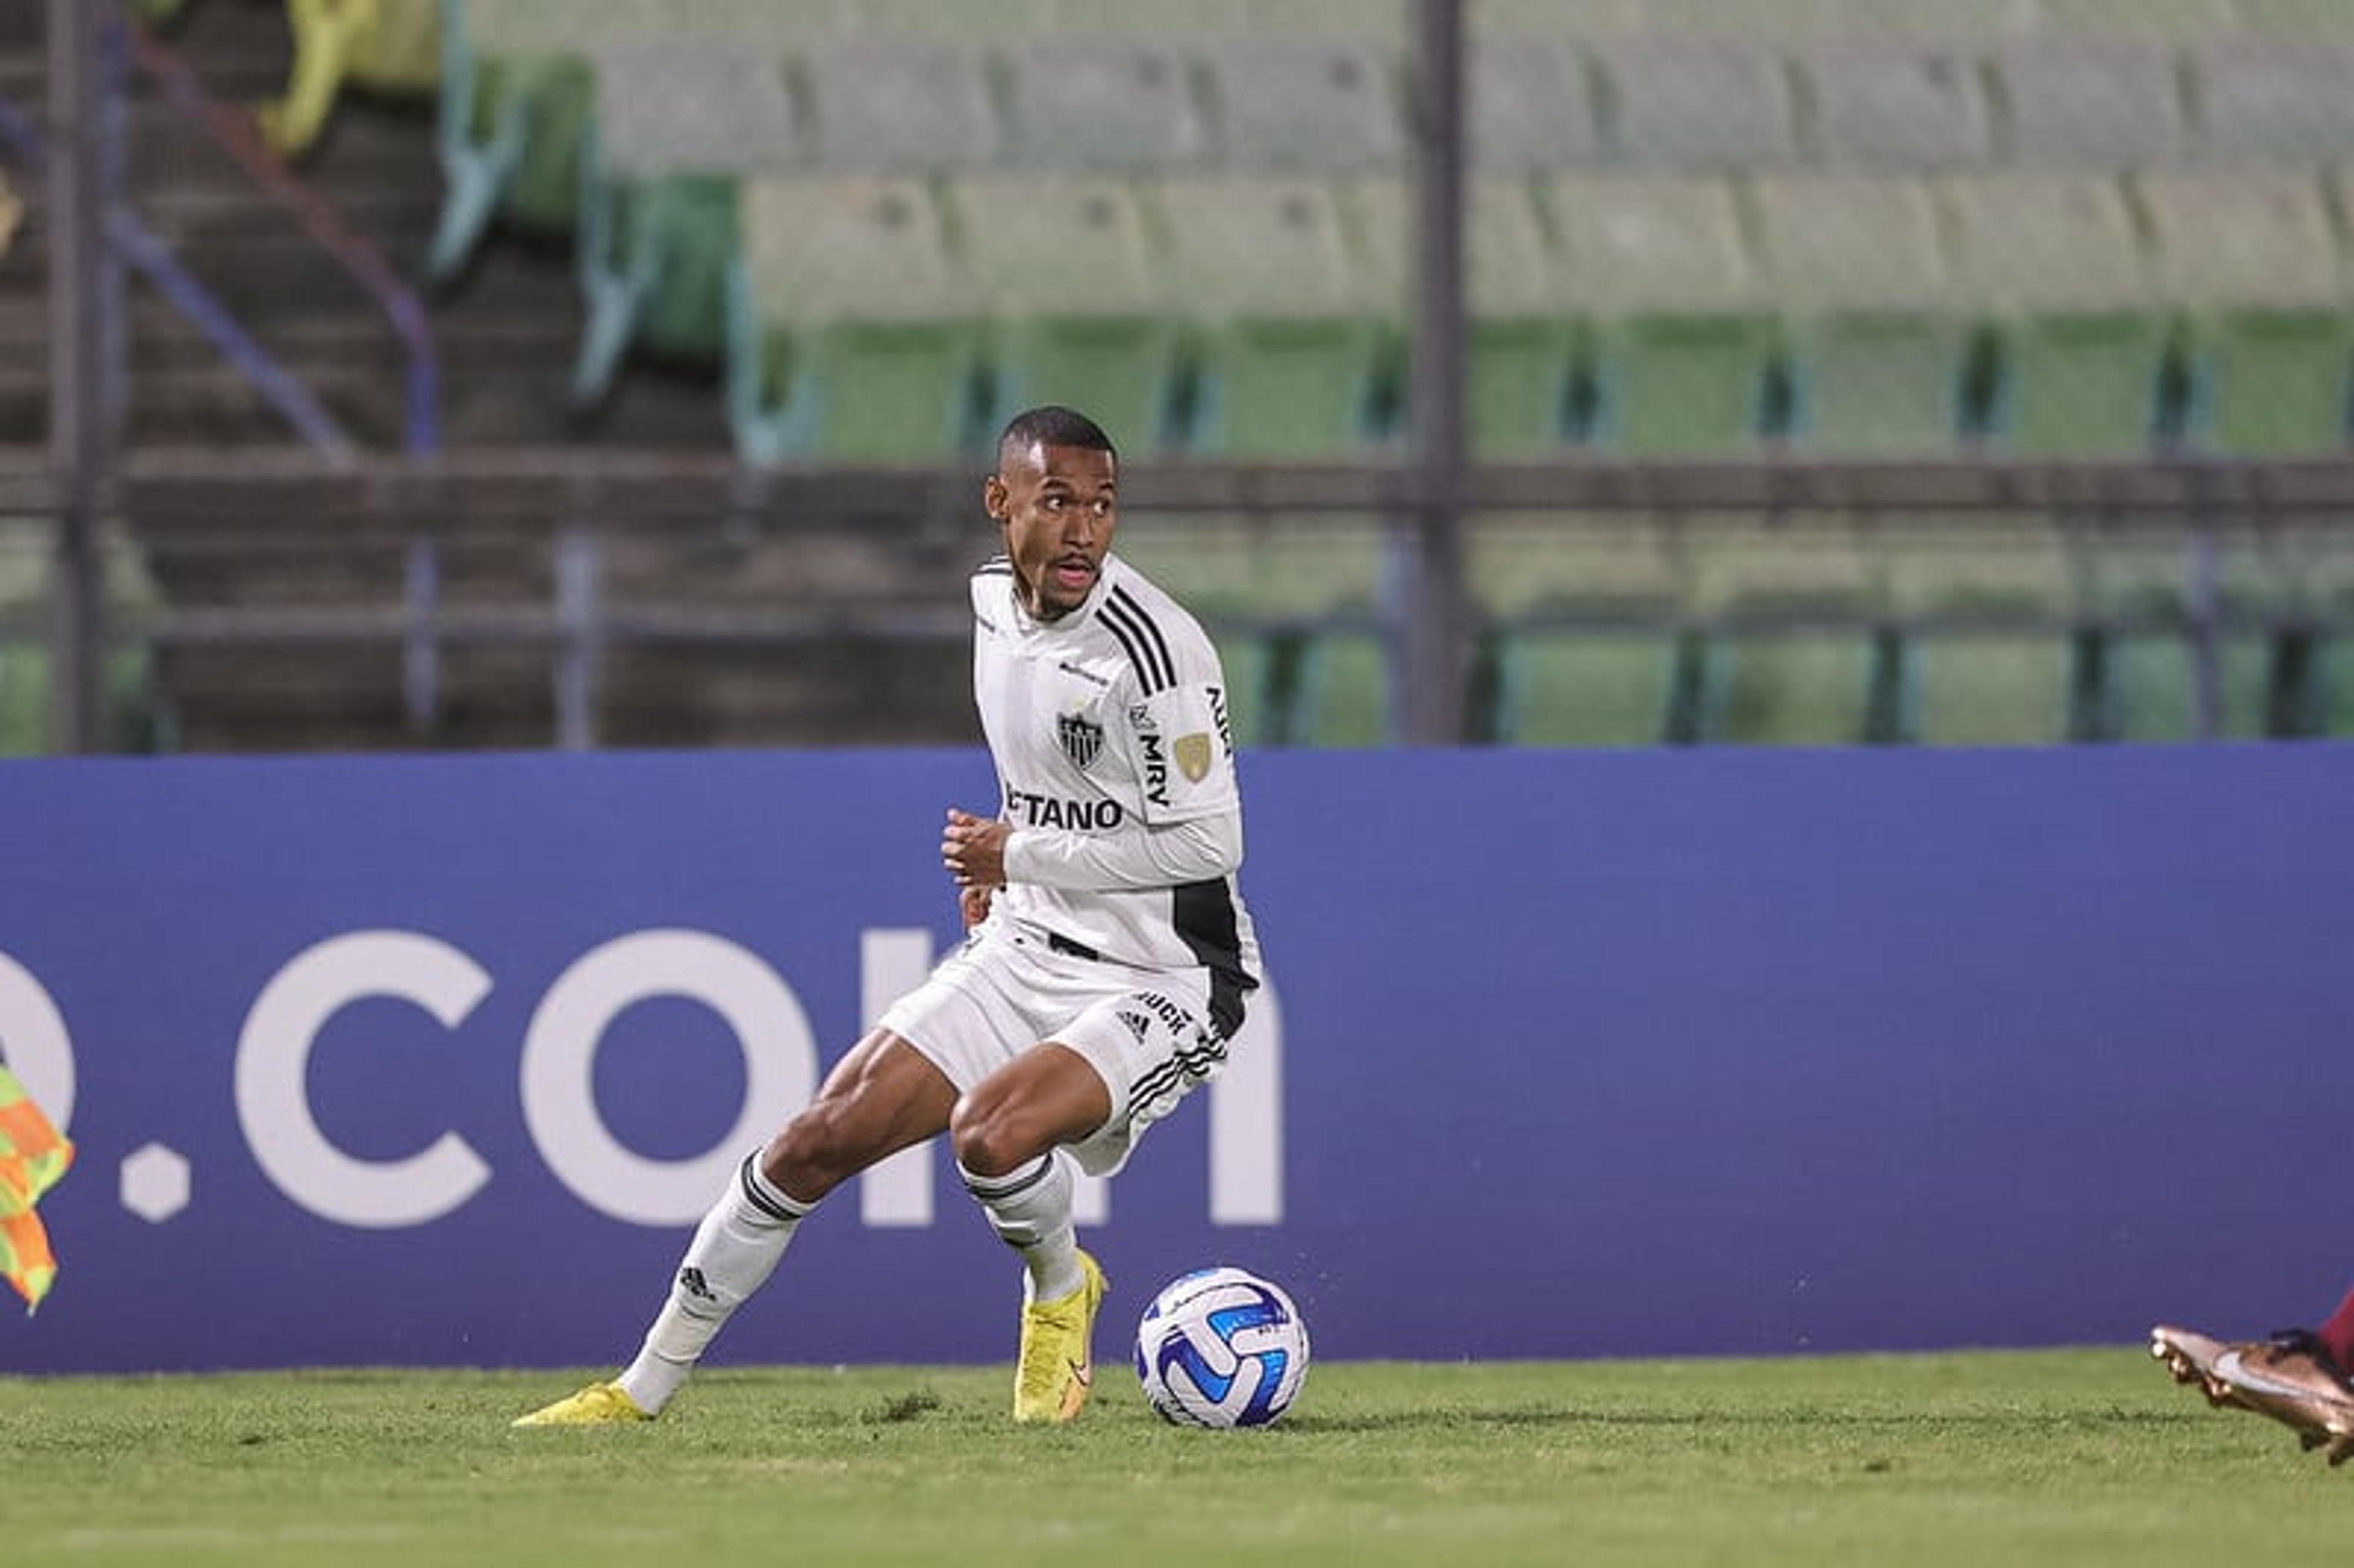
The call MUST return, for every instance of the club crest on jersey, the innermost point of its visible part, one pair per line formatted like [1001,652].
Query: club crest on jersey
[1192,754]
[1082,741]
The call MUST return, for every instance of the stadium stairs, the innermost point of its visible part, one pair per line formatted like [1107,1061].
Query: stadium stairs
[505,333]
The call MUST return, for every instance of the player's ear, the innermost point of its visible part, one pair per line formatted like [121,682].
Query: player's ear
[994,497]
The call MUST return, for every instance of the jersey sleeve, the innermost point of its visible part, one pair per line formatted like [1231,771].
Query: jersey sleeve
[1182,743]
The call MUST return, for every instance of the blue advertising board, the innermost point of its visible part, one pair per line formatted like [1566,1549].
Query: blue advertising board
[437,1060]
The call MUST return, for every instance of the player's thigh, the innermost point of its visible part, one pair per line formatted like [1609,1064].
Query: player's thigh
[884,1097]
[1046,1096]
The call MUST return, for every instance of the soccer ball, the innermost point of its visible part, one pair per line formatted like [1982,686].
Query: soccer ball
[1221,1346]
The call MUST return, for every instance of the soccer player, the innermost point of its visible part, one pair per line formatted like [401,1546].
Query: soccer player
[2298,1376]
[1108,953]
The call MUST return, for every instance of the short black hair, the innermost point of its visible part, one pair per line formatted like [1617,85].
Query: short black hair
[1051,425]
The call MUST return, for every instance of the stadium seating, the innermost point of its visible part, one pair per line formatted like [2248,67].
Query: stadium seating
[1699,106]
[1099,105]
[2300,19]
[1522,323]
[680,123]
[1064,268]
[2251,260]
[1984,610]
[1791,657]
[392,45]
[1287,332]
[2054,266]
[1289,328]
[2277,103]
[24,699]
[2142,584]
[2103,104]
[1530,106]
[1876,348]
[1285,105]
[1583,619]
[899,106]
[1896,107]
[1682,335]
[1697,230]
[851,334]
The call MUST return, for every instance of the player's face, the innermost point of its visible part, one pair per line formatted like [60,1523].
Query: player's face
[1058,506]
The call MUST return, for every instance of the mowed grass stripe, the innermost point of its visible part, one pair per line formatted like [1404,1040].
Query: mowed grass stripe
[2065,1456]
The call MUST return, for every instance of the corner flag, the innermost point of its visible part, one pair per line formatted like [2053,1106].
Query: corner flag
[33,1155]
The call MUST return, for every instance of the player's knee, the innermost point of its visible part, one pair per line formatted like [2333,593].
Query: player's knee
[988,1136]
[813,1155]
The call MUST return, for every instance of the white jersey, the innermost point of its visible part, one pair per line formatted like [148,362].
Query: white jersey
[1111,720]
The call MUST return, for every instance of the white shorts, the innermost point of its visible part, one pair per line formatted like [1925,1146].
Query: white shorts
[1147,1033]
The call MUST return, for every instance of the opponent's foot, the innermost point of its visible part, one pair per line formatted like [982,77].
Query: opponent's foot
[1058,1367]
[2289,1377]
[599,1405]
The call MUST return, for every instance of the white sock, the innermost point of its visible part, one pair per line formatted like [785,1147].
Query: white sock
[1030,1210]
[734,1252]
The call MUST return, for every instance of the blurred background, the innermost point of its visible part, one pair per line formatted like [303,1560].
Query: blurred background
[397,374]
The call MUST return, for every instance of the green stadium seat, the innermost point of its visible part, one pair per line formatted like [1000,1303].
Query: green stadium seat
[679,123]
[852,335]
[1065,268]
[2054,265]
[1681,335]
[2276,103]
[1791,658]
[1582,608]
[1704,106]
[1289,328]
[24,699]
[1894,108]
[2142,587]
[1521,332]
[1530,106]
[1102,104]
[900,105]
[1286,104]
[2315,561]
[1877,351]
[2252,259]
[515,99]
[1324,575]
[1344,699]
[1986,609]
[2091,103]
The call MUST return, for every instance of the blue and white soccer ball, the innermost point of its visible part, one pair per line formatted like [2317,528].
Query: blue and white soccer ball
[1221,1346]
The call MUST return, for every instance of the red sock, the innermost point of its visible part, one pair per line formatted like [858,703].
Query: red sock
[2338,1334]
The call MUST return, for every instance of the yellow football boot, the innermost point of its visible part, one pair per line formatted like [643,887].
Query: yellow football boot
[599,1405]
[1057,1367]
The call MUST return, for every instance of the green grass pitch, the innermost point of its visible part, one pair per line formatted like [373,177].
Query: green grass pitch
[2061,1457]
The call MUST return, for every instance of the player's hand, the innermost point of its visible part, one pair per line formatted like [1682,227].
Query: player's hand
[973,850]
[972,903]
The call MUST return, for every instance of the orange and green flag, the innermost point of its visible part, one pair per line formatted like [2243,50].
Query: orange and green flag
[33,1155]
